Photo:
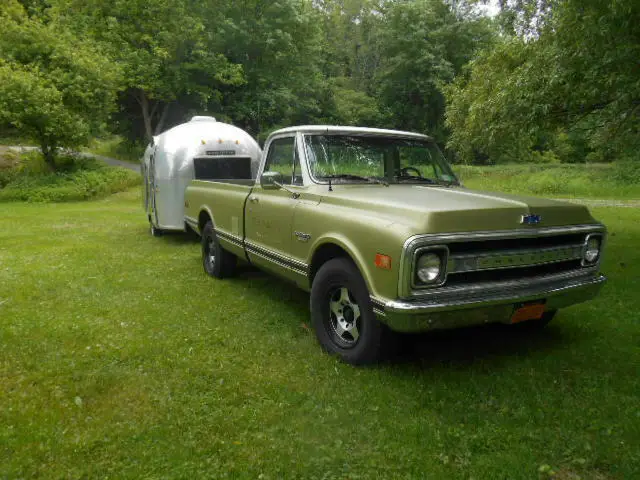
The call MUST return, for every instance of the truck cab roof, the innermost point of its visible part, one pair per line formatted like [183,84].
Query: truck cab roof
[320,129]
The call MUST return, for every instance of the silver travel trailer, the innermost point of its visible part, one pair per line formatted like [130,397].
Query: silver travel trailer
[202,149]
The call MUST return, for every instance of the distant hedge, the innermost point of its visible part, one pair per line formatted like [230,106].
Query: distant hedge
[30,180]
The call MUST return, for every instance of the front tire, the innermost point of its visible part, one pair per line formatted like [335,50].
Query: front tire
[217,262]
[342,314]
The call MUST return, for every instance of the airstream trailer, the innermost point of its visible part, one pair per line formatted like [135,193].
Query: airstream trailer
[203,149]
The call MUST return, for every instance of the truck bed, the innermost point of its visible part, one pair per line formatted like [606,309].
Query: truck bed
[227,197]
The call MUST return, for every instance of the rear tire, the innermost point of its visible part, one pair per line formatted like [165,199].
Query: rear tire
[342,314]
[217,262]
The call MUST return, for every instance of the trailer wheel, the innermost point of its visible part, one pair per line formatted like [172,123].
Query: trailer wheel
[217,262]
[342,314]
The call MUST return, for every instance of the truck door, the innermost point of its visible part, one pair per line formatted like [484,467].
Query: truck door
[269,213]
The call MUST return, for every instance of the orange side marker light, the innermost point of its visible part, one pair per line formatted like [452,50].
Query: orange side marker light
[383,261]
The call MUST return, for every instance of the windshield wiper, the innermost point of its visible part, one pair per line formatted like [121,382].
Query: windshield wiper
[349,176]
[419,179]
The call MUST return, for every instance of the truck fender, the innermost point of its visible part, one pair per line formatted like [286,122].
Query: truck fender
[344,244]
[204,212]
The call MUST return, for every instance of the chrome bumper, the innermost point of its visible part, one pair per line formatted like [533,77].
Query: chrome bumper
[479,308]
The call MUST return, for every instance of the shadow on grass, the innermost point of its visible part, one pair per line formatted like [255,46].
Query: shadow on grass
[459,347]
[176,237]
[465,346]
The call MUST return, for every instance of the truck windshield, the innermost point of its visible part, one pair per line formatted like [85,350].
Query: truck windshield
[365,158]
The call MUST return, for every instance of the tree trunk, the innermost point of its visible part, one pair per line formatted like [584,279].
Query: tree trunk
[143,101]
[163,118]
[49,153]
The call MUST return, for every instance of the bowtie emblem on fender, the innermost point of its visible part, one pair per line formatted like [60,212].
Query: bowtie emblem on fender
[530,219]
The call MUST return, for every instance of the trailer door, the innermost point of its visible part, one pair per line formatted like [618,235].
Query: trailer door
[152,189]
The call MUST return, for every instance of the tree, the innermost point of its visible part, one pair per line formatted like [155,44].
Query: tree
[165,48]
[52,87]
[425,45]
[278,45]
[576,73]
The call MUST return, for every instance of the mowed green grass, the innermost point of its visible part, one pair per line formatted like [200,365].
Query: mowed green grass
[120,358]
[611,181]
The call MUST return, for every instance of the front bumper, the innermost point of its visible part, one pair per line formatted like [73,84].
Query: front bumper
[474,308]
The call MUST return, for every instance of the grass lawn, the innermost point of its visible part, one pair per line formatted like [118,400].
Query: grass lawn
[120,358]
[611,181]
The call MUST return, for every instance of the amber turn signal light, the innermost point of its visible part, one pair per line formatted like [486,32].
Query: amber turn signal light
[383,261]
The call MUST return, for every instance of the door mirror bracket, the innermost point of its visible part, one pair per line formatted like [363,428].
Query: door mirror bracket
[273,181]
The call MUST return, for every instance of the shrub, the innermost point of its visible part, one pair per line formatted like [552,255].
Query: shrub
[79,178]
[626,172]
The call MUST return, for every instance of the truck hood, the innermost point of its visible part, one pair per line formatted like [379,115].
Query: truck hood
[436,209]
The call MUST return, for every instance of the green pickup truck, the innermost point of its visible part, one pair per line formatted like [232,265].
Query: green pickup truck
[375,224]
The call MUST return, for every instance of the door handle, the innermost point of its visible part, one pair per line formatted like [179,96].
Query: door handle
[254,199]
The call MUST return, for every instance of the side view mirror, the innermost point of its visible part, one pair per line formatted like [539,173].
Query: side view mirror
[270,180]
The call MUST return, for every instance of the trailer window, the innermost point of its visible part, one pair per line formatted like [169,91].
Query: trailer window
[222,168]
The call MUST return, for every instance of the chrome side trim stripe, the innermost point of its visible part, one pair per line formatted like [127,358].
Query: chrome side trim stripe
[233,239]
[285,262]
[193,223]
[296,266]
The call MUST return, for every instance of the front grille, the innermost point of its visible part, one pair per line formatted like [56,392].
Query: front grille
[500,275]
[487,260]
[516,243]
[508,259]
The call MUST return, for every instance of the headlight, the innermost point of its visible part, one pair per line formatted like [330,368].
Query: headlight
[429,269]
[592,249]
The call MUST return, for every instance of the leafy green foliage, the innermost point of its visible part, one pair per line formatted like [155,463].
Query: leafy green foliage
[577,75]
[76,179]
[165,48]
[278,45]
[53,88]
[424,46]
[354,107]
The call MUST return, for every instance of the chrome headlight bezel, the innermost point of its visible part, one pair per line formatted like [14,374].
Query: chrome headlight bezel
[443,252]
[592,236]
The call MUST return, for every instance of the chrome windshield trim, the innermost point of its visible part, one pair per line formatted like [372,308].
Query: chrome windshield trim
[374,133]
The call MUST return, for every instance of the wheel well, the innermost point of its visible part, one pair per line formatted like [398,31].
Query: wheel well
[326,252]
[203,218]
